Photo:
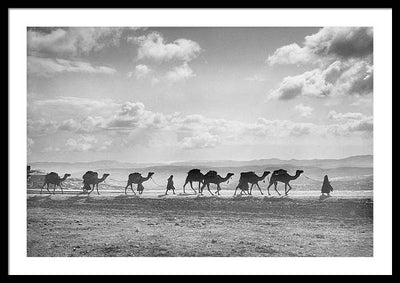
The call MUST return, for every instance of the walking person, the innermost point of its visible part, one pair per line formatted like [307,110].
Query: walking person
[170,185]
[326,187]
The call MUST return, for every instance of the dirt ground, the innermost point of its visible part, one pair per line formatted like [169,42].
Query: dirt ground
[130,226]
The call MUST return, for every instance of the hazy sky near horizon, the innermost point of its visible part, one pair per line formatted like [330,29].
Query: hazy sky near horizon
[169,94]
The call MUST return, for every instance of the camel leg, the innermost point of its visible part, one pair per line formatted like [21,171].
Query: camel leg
[185,185]
[61,189]
[166,191]
[42,188]
[97,188]
[276,189]
[251,188]
[290,187]
[259,188]
[285,189]
[173,190]
[218,189]
[91,190]
[54,189]
[191,185]
[201,189]
[235,191]
[47,187]
[133,189]
[127,185]
[208,188]
[270,184]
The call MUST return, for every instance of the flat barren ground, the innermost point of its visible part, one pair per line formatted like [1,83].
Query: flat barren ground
[172,226]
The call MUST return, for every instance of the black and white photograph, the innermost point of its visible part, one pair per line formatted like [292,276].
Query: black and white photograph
[202,142]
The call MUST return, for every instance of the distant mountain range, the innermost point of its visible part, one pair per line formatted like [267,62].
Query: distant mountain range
[361,161]
[352,161]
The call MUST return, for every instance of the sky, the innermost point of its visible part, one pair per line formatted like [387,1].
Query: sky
[163,94]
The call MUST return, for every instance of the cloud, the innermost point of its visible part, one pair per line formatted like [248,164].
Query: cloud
[75,102]
[264,128]
[350,123]
[73,41]
[47,67]
[41,127]
[329,43]
[84,143]
[304,110]
[337,79]
[133,122]
[141,71]
[333,115]
[180,73]
[153,46]
[290,54]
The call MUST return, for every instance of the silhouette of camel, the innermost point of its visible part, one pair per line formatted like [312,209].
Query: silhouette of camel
[92,178]
[282,176]
[55,180]
[194,175]
[253,179]
[211,177]
[137,178]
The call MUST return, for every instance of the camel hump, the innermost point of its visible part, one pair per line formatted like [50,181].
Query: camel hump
[135,176]
[246,174]
[89,174]
[52,174]
[279,172]
[194,171]
[211,173]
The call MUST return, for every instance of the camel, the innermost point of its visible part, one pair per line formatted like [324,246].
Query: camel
[137,178]
[282,176]
[253,179]
[92,178]
[194,175]
[55,180]
[211,177]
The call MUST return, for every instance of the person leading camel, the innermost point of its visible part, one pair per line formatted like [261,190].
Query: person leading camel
[326,186]
[170,185]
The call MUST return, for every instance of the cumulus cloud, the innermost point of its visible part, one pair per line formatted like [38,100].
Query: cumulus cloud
[353,77]
[329,43]
[47,67]
[141,71]
[180,73]
[344,56]
[153,46]
[304,110]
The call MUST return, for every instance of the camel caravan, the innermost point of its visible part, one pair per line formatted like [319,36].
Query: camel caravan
[246,183]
